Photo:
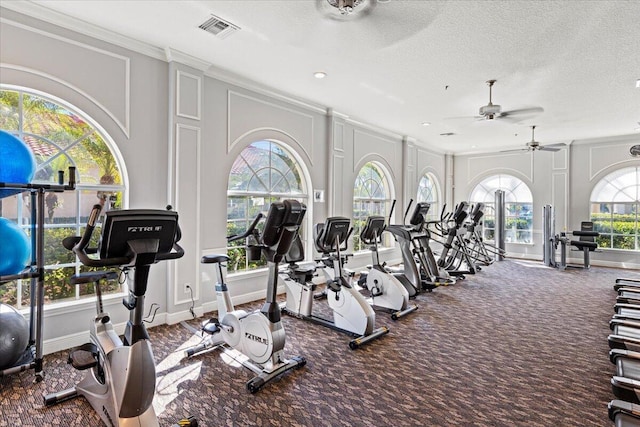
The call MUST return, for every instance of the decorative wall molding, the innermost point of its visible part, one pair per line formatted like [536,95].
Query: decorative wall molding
[338,137]
[560,197]
[238,126]
[560,159]
[600,159]
[187,164]
[338,182]
[186,106]
[475,170]
[122,122]
[368,145]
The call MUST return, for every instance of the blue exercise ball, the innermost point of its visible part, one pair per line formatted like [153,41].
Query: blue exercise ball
[18,162]
[15,250]
[14,335]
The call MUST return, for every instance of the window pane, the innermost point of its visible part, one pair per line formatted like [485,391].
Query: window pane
[518,207]
[52,121]
[58,138]
[9,110]
[264,172]
[371,197]
[601,217]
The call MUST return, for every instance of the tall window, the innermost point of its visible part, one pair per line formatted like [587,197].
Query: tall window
[263,173]
[59,136]
[615,203]
[518,207]
[428,192]
[371,196]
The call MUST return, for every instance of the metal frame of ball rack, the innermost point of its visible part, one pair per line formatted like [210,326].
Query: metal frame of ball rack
[32,355]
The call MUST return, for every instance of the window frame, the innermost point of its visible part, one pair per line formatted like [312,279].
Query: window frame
[434,209]
[385,202]
[303,197]
[488,231]
[22,212]
[629,202]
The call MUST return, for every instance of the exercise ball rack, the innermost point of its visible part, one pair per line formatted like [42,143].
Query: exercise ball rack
[32,356]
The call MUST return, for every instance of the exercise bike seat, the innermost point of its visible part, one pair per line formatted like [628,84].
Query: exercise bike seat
[295,255]
[214,258]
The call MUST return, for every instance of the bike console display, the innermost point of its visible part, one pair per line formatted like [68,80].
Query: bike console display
[123,227]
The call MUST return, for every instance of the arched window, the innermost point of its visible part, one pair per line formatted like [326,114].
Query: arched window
[371,196]
[428,192]
[615,202]
[518,207]
[60,136]
[263,173]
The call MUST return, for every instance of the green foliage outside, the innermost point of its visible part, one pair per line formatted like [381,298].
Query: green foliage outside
[57,284]
[61,139]
[617,231]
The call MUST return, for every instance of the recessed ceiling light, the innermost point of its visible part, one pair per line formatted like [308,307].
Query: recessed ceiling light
[426,124]
[474,146]
[638,84]
[319,74]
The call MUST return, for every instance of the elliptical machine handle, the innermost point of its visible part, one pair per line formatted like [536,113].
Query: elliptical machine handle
[249,231]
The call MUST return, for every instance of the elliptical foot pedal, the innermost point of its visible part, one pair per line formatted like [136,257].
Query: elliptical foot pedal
[211,327]
[84,357]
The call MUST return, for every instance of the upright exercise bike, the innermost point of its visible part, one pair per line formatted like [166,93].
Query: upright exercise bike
[385,289]
[352,314]
[122,379]
[259,335]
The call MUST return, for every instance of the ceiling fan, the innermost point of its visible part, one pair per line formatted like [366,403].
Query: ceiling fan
[367,24]
[493,111]
[345,9]
[534,145]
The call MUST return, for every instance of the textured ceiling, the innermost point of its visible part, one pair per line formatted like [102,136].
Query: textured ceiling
[409,62]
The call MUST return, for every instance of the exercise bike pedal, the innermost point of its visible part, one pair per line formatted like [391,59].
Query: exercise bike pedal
[84,357]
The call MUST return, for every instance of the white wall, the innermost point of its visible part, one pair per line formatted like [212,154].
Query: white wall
[563,179]
[126,93]
[178,130]
[591,160]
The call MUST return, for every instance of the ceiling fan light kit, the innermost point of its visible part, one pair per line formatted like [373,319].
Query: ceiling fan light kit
[345,7]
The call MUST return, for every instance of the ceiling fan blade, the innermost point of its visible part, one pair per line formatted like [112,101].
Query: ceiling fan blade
[548,148]
[523,111]
[560,144]
[517,150]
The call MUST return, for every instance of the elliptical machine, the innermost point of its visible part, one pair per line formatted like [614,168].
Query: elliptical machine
[420,271]
[352,314]
[122,381]
[259,335]
[385,289]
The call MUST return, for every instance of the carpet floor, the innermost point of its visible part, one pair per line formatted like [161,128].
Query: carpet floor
[517,344]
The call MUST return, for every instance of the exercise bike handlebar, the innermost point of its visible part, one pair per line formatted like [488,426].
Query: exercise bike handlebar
[249,231]
[79,245]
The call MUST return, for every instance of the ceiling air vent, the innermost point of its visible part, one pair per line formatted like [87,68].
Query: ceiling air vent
[218,27]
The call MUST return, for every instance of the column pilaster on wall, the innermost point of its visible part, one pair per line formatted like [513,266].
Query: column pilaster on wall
[409,160]
[449,184]
[183,193]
